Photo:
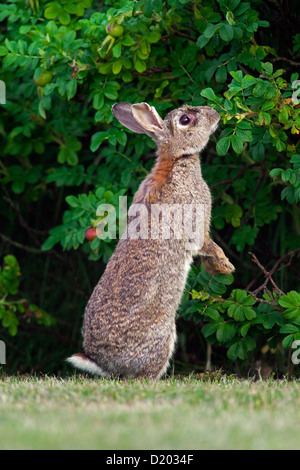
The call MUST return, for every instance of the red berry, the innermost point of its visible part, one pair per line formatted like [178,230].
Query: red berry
[91,233]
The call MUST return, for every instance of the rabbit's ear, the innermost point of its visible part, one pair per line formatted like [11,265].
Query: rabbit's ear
[141,119]
[123,112]
[150,121]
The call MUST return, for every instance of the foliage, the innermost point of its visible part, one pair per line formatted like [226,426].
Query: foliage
[240,321]
[12,310]
[65,63]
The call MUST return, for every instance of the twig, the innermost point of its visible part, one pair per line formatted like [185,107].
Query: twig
[231,180]
[291,254]
[22,221]
[152,70]
[292,62]
[271,272]
[267,274]
[263,301]
[20,245]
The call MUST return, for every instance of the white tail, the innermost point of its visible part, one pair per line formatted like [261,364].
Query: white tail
[83,362]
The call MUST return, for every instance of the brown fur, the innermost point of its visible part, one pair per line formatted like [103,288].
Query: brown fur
[150,190]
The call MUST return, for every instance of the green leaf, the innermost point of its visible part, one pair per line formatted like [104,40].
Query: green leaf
[71,88]
[221,74]
[209,94]
[226,279]
[117,50]
[3,51]
[288,341]
[245,328]
[288,328]
[243,236]
[127,41]
[226,32]
[223,146]
[238,76]
[140,65]
[18,186]
[72,201]
[283,115]
[209,329]
[153,36]
[117,67]
[202,41]
[64,17]
[268,67]
[105,68]
[98,100]
[237,312]
[216,287]
[237,143]
[230,17]
[260,88]
[249,313]
[292,299]
[210,30]
[212,313]
[234,351]
[97,140]
[244,135]
[225,332]
[52,10]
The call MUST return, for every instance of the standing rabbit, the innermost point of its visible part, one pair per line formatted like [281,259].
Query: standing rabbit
[129,323]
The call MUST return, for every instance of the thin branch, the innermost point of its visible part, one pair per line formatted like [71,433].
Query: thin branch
[268,276]
[262,301]
[20,245]
[183,35]
[237,176]
[291,254]
[292,62]
[152,70]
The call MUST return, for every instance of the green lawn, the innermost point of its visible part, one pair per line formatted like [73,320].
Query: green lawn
[87,413]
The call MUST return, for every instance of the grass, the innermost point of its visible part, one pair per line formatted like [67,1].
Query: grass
[192,413]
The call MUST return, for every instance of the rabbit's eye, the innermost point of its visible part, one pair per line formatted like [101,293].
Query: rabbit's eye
[185,119]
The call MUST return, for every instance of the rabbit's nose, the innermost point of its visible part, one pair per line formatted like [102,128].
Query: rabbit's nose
[213,117]
[212,113]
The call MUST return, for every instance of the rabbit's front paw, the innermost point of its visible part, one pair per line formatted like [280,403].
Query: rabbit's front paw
[215,265]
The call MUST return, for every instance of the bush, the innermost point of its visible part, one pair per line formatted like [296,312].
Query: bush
[64,64]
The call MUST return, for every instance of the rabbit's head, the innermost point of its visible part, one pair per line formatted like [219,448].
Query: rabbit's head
[184,131]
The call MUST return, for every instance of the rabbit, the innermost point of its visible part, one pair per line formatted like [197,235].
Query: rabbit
[129,326]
